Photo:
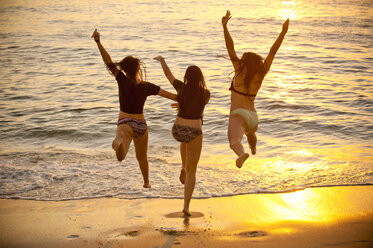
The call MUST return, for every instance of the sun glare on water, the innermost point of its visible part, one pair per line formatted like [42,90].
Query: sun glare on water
[288,10]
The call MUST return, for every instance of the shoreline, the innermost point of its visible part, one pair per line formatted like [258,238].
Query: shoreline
[197,198]
[340,216]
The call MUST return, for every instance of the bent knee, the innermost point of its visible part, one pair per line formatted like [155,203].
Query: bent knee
[120,158]
[233,144]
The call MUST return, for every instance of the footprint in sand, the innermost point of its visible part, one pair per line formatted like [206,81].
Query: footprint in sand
[177,242]
[171,231]
[122,234]
[253,234]
[181,215]
[73,236]
[131,233]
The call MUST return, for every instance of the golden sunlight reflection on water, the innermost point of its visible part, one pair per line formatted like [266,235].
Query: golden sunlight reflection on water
[314,104]
[288,11]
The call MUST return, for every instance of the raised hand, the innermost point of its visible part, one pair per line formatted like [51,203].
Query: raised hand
[285,26]
[166,70]
[96,35]
[158,58]
[225,19]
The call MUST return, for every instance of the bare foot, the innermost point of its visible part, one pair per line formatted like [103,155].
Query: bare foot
[186,212]
[116,143]
[241,159]
[147,185]
[182,176]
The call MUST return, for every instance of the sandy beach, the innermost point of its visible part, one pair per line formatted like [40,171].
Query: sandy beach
[316,217]
[62,186]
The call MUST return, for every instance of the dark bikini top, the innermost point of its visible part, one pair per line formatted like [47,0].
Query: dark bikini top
[239,92]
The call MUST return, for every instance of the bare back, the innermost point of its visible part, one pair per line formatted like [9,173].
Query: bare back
[242,101]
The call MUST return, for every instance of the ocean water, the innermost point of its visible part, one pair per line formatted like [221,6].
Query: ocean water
[58,104]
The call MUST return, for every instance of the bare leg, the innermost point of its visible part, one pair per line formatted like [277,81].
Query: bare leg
[193,153]
[183,159]
[141,148]
[252,140]
[122,141]
[236,130]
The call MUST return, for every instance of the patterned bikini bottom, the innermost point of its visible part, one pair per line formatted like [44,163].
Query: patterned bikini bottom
[185,134]
[138,126]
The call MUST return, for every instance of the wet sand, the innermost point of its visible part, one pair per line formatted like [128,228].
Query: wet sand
[316,217]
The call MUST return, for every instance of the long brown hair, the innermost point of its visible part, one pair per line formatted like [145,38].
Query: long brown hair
[253,63]
[132,67]
[193,93]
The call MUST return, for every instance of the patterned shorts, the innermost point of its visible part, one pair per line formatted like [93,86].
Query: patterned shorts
[185,134]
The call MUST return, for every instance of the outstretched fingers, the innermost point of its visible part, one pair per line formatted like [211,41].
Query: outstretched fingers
[228,14]
[226,18]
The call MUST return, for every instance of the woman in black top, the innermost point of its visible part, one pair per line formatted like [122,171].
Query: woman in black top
[193,95]
[133,92]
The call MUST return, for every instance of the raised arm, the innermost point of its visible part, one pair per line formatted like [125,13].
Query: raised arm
[229,41]
[268,61]
[166,70]
[104,54]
